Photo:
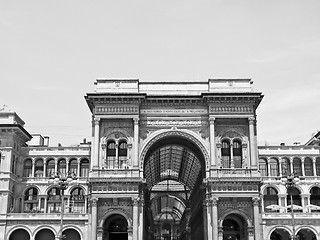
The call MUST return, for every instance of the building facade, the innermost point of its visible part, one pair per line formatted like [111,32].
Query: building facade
[167,160]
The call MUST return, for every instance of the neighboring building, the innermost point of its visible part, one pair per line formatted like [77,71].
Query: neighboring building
[169,161]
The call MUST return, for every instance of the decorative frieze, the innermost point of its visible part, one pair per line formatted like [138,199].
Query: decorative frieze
[172,123]
[171,111]
[117,110]
[231,109]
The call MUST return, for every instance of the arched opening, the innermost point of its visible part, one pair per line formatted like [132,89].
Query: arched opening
[174,170]
[263,167]
[84,168]
[308,167]
[71,234]
[274,167]
[31,200]
[77,201]
[50,167]
[27,168]
[38,169]
[306,234]
[115,228]
[270,200]
[234,228]
[297,166]
[19,234]
[285,167]
[73,166]
[280,234]
[45,234]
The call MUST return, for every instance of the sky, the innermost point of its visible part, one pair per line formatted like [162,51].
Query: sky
[51,52]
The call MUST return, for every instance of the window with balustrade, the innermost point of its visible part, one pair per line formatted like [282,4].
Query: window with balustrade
[27,168]
[31,200]
[237,153]
[296,198]
[297,166]
[263,167]
[77,201]
[226,154]
[73,166]
[50,167]
[285,167]
[274,167]
[308,167]
[318,166]
[111,155]
[62,164]
[84,167]
[270,197]
[122,150]
[315,196]
[38,168]
[54,200]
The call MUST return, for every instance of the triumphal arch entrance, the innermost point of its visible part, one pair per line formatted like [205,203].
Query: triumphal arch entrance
[174,160]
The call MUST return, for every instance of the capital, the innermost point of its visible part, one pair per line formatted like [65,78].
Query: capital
[251,120]
[94,202]
[96,121]
[136,120]
[255,201]
[211,120]
[135,201]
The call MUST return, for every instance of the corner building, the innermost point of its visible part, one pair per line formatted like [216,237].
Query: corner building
[167,161]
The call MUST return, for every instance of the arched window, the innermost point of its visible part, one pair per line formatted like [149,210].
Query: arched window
[77,202]
[297,169]
[226,154]
[73,166]
[295,197]
[285,167]
[274,169]
[54,200]
[38,170]
[308,167]
[263,167]
[237,154]
[111,155]
[31,200]
[122,154]
[270,197]
[62,167]
[315,196]
[84,168]
[50,167]
[27,168]
[318,166]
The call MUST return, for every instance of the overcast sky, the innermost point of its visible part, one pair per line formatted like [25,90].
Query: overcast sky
[51,52]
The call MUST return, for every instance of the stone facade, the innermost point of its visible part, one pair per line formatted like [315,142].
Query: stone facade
[167,160]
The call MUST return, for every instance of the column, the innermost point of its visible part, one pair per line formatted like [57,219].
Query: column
[94,215]
[314,166]
[212,142]
[205,220]
[257,230]
[253,160]
[55,166]
[135,213]
[95,152]
[33,167]
[136,142]
[67,166]
[231,156]
[302,167]
[269,168]
[44,168]
[291,164]
[78,167]
[141,220]
[208,204]
[214,216]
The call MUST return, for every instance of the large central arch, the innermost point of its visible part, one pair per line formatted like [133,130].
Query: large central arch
[174,165]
